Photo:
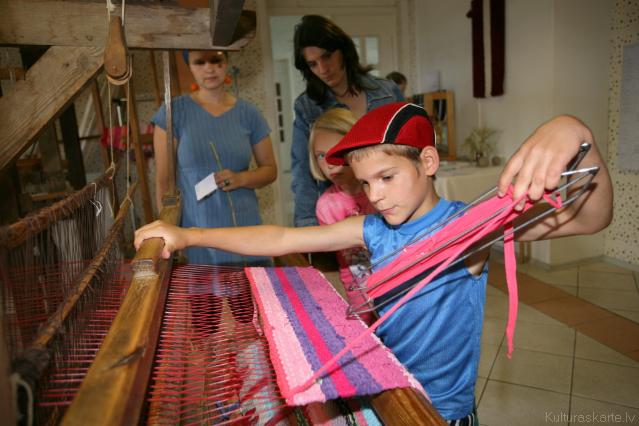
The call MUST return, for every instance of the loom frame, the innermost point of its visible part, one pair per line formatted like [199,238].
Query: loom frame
[115,386]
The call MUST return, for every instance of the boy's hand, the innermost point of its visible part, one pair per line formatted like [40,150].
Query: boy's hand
[173,236]
[539,162]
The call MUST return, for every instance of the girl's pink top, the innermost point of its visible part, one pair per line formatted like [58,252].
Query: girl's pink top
[333,206]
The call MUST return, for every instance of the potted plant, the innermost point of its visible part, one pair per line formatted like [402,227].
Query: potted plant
[479,145]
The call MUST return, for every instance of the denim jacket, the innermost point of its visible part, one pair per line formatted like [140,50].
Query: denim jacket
[305,188]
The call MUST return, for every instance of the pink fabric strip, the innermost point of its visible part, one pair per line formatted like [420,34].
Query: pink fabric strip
[502,213]
[511,280]
[405,266]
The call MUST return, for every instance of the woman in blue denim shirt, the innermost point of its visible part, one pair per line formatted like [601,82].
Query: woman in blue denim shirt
[327,58]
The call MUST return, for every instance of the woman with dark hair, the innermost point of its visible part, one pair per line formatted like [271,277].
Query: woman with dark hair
[327,58]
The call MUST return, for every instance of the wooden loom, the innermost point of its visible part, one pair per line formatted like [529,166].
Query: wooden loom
[114,389]
[116,385]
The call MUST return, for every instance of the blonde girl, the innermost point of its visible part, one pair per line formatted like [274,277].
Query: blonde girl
[342,199]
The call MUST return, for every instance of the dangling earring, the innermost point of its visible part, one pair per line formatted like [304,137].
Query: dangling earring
[228,80]
[194,87]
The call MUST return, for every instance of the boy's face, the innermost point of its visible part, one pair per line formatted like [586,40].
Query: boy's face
[398,188]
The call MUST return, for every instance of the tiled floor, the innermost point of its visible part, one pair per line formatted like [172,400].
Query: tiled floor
[576,358]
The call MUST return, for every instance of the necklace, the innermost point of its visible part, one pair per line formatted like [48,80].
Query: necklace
[343,94]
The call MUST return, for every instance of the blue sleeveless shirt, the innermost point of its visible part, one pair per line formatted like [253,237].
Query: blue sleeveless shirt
[436,334]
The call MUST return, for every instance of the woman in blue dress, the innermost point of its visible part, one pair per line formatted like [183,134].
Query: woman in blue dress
[215,132]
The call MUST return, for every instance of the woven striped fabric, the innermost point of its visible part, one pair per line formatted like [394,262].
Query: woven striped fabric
[305,322]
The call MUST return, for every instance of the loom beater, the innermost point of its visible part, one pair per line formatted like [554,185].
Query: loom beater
[374,283]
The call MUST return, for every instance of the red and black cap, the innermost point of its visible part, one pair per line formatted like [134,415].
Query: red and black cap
[399,123]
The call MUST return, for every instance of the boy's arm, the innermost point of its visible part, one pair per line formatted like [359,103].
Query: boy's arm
[263,240]
[538,165]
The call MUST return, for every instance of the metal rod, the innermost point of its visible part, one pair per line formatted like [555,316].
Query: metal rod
[585,173]
[166,62]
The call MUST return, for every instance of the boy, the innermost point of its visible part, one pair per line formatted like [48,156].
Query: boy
[391,151]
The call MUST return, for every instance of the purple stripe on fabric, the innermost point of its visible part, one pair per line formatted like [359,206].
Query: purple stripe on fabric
[327,386]
[357,374]
[288,359]
[379,361]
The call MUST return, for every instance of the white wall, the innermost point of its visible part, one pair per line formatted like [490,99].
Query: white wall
[582,49]
[623,233]
[556,62]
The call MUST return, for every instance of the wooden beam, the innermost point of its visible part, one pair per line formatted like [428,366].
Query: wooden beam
[50,85]
[225,15]
[405,407]
[69,23]
[6,389]
[140,159]
[10,73]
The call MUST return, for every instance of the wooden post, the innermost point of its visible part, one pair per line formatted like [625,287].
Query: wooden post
[99,119]
[106,156]
[6,394]
[156,85]
[140,160]
[73,152]
[225,16]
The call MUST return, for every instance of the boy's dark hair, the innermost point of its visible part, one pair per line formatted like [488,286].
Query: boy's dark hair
[405,151]
[317,31]
[397,77]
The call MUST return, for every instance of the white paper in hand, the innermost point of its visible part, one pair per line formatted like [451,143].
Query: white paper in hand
[205,187]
